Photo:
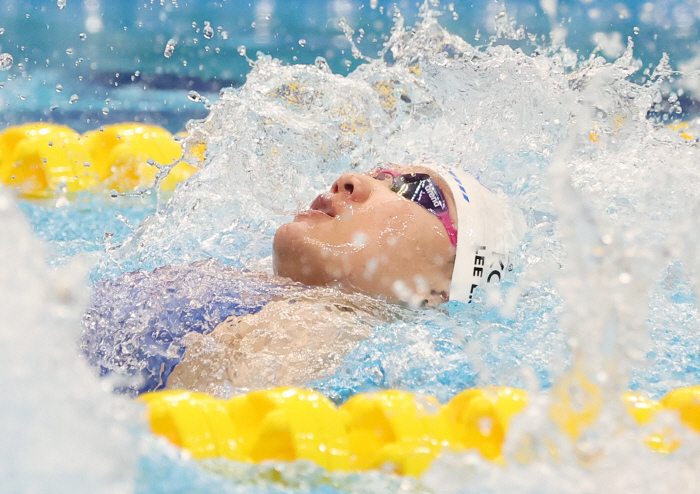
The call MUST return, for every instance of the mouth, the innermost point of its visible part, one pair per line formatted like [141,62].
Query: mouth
[323,204]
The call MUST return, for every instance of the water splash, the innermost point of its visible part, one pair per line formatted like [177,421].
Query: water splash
[610,198]
[60,428]
[564,143]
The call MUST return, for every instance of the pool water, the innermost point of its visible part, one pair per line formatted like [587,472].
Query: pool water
[605,281]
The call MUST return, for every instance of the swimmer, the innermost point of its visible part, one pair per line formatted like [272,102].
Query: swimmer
[394,232]
[420,235]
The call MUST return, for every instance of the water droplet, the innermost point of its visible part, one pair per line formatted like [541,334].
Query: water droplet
[113,193]
[208,31]
[69,51]
[105,111]
[73,98]
[6,61]
[169,48]
[61,4]
[194,96]
[302,42]
[59,88]
[241,50]
[322,65]
[82,36]
[2,31]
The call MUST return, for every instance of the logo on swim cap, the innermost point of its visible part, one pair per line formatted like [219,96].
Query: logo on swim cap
[459,184]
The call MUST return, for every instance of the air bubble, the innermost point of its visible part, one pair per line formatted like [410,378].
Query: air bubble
[241,50]
[82,36]
[73,98]
[69,51]
[61,4]
[636,30]
[194,96]
[224,34]
[59,88]
[302,42]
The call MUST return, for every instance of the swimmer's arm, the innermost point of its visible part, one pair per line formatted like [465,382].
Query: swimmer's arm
[279,340]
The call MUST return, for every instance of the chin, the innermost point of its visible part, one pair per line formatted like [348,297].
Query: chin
[283,247]
[289,248]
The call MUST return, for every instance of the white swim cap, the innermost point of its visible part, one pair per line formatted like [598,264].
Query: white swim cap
[487,233]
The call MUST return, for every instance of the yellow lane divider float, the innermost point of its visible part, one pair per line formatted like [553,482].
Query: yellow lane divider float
[389,429]
[38,159]
[369,431]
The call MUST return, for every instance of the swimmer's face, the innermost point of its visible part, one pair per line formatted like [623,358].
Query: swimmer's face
[363,237]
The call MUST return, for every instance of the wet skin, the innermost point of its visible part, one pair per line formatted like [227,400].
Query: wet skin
[362,237]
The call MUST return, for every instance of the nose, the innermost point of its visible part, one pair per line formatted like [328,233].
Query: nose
[353,187]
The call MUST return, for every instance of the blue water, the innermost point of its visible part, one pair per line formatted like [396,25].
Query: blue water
[120,68]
